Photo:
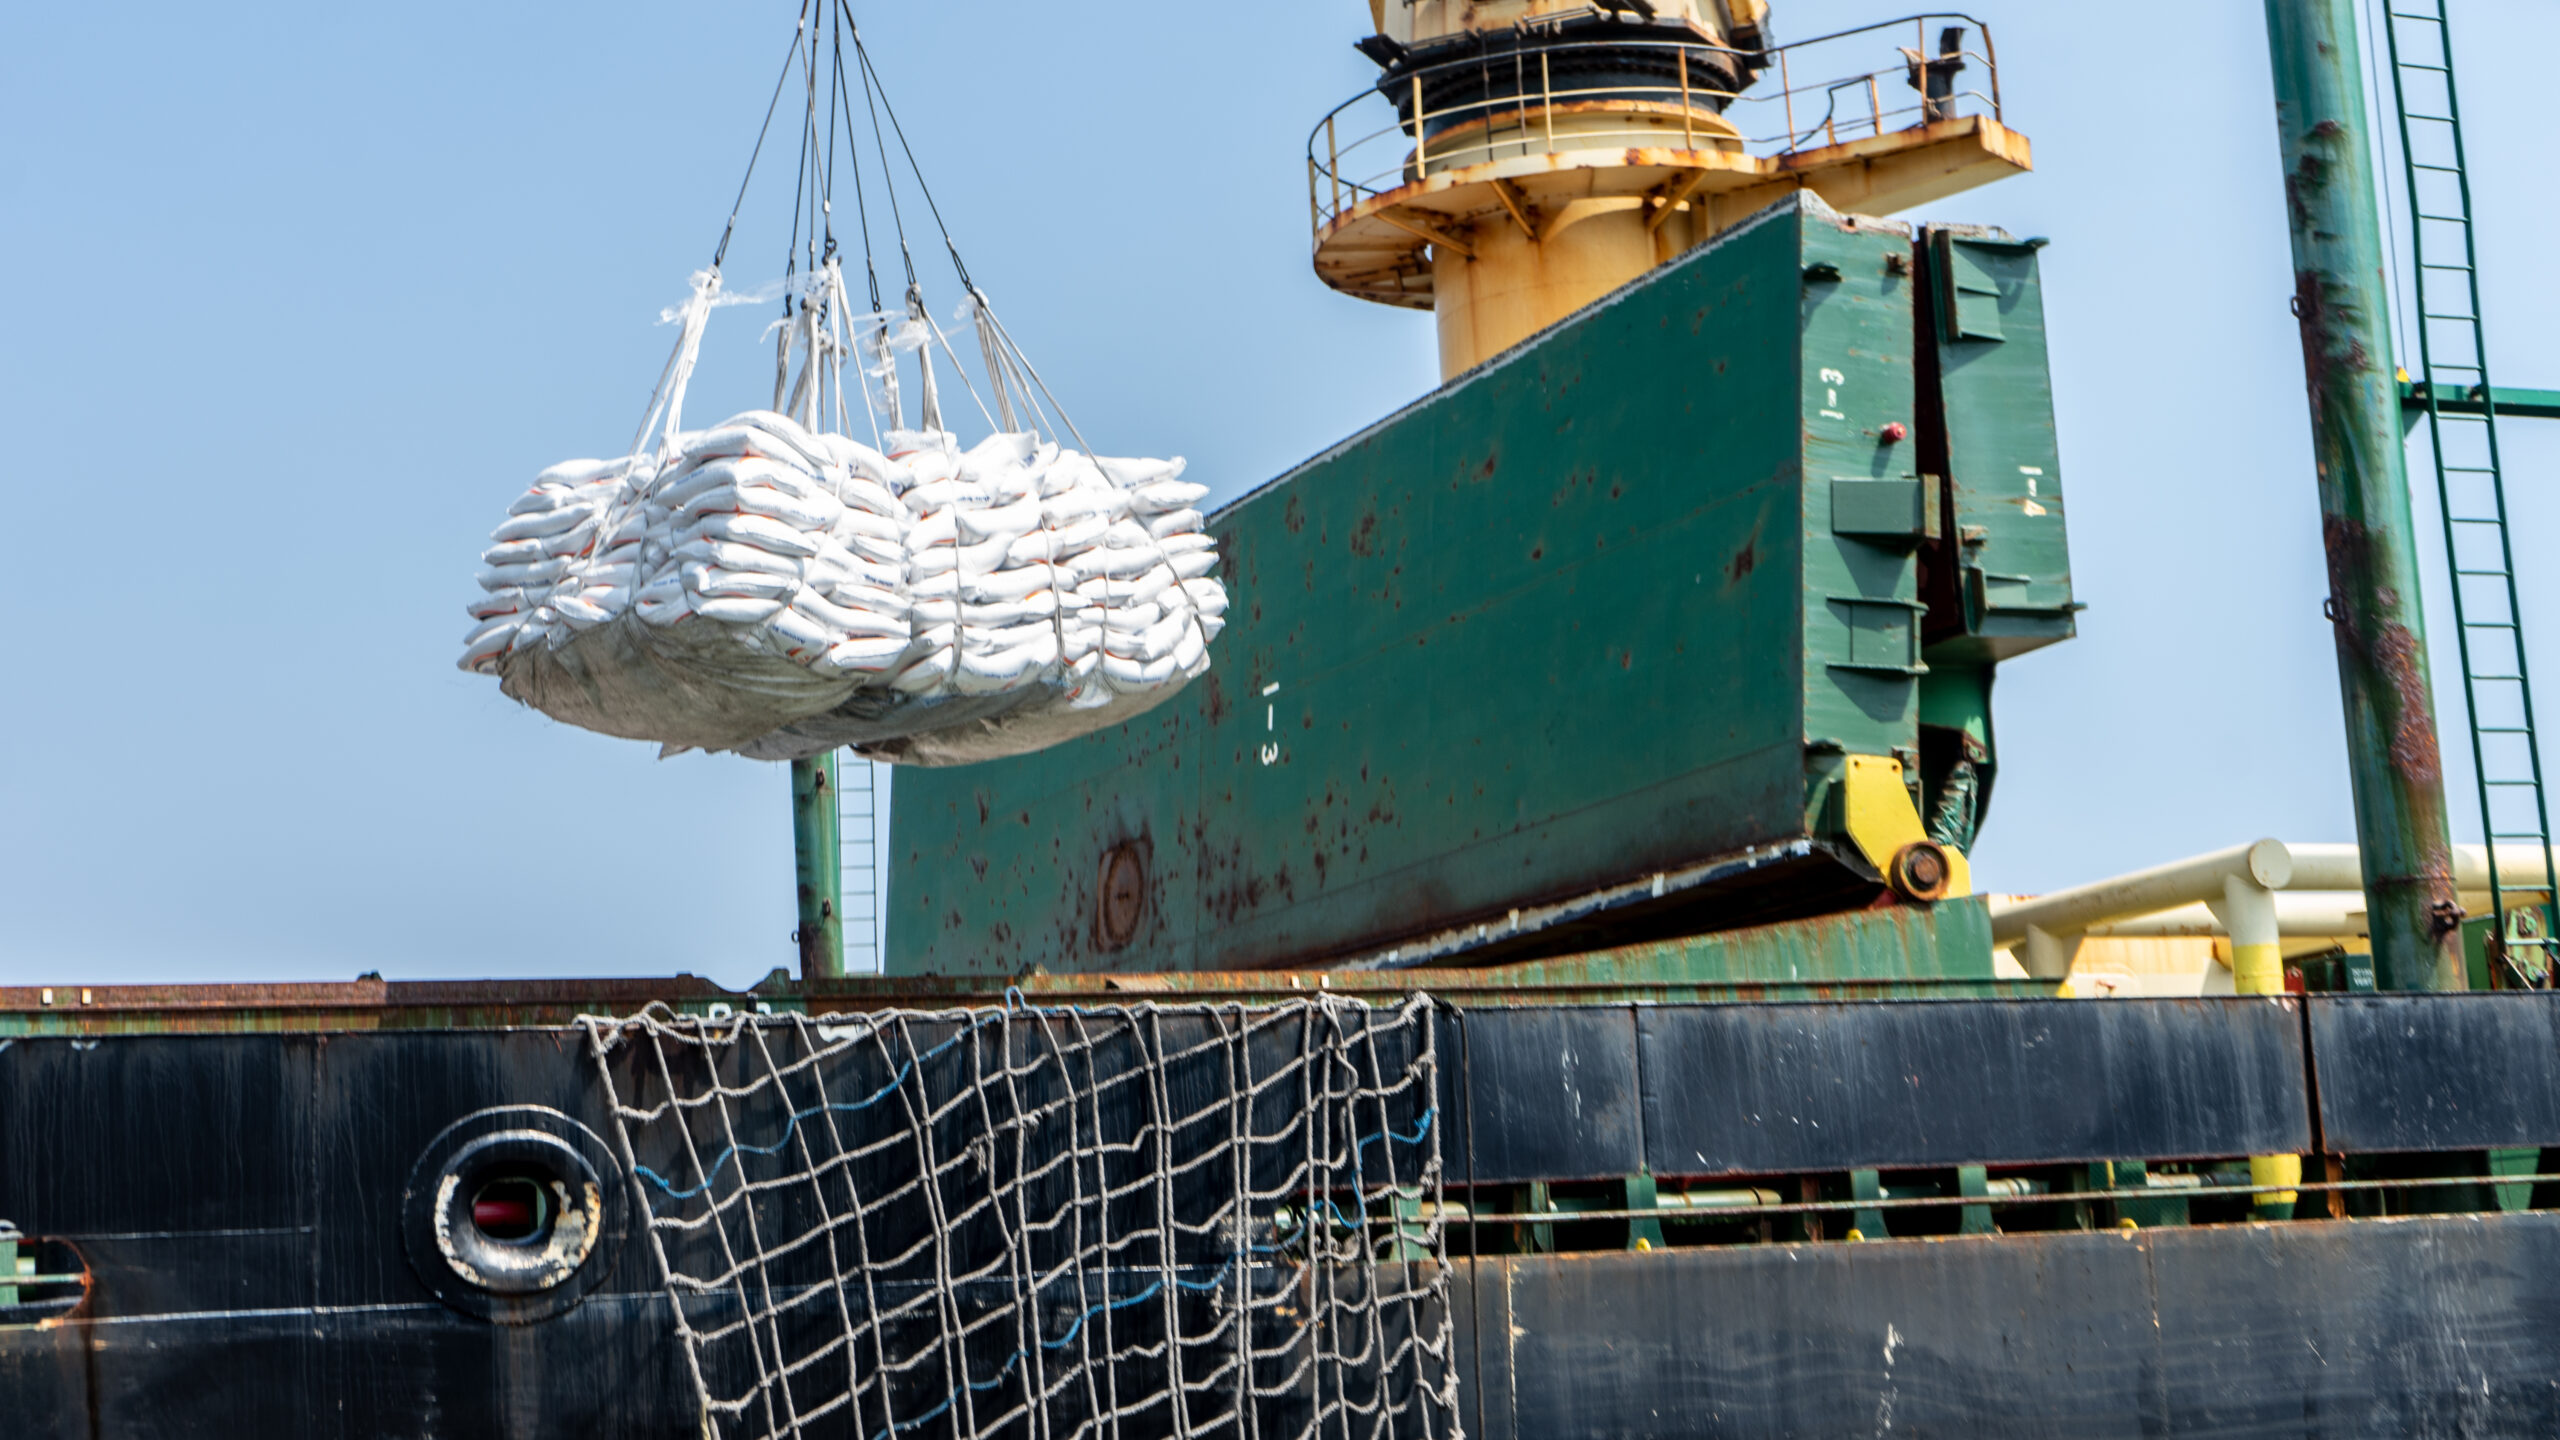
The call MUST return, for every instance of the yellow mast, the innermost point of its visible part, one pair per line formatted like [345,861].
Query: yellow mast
[1543,153]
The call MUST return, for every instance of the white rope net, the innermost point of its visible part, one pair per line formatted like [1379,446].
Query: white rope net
[1185,1221]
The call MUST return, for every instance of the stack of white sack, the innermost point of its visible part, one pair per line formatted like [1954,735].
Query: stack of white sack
[769,590]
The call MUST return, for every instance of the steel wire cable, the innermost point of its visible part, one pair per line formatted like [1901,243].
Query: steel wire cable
[720,252]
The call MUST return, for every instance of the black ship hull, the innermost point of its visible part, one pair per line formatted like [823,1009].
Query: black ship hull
[229,1209]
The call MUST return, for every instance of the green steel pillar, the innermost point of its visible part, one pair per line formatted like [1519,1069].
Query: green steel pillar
[818,856]
[2341,298]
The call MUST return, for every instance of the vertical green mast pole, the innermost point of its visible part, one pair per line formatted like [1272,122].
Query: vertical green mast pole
[817,853]
[2341,297]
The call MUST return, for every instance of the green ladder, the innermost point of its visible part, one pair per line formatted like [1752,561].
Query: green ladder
[858,896]
[2454,364]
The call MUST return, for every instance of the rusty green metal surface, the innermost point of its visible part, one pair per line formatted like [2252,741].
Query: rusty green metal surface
[1586,615]
[1959,753]
[1863,618]
[1893,952]
[2003,567]
[1996,571]
[2509,401]
[2393,756]
[818,865]
[1898,949]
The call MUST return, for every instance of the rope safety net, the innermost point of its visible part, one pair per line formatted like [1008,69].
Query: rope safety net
[1153,1220]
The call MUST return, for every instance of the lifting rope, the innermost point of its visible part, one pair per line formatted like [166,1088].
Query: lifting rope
[720,252]
[942,601]
[819,329]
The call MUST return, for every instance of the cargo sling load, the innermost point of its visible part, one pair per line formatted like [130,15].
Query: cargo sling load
[1489,1002]
[776,587]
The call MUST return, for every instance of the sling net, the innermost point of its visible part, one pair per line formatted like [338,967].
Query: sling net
[1186,1221]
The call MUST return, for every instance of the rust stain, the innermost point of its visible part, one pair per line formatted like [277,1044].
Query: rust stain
[1364,534]
[1743,561]
[1382,810]
[2393,656]
[2414,747]
[2390,664]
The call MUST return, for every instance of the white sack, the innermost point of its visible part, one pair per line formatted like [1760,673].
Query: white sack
[759,588]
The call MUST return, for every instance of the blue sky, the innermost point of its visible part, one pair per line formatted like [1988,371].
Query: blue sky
[304,293]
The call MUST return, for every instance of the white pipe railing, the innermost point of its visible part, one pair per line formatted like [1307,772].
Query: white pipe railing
[2257,895]
[2300,915]
[2267,864]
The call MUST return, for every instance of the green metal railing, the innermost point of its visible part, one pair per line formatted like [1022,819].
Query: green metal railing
[2461,408]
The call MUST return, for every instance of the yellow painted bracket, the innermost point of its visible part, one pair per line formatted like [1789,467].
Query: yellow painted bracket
[1877,812]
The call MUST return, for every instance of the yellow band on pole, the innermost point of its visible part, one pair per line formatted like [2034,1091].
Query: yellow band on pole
[2257,969]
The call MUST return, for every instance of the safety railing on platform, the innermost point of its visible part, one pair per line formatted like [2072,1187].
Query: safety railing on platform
[1393,135]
